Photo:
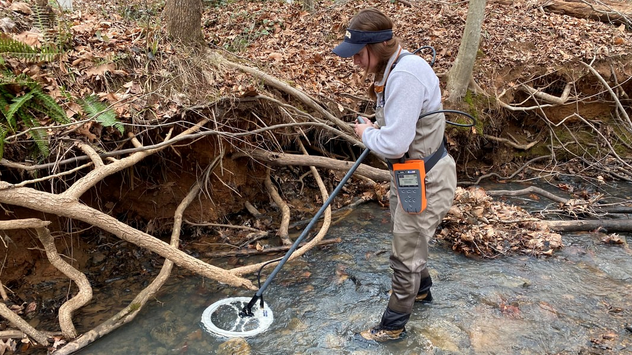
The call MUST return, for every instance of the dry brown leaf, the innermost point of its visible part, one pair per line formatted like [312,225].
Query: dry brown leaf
[101,69]
[22,8]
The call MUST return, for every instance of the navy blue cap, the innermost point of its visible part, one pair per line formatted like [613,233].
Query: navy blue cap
[355,40]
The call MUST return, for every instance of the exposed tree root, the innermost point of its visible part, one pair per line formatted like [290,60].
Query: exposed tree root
[85,290]
[130,312]
[283,159]
[285,210]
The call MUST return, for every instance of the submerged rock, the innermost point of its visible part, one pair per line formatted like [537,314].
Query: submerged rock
[234,346]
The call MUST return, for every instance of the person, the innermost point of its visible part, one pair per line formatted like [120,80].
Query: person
[405,87]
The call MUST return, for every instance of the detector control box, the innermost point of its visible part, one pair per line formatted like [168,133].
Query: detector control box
[410,179]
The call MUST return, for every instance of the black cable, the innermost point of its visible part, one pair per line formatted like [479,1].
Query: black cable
[434,53]
[450,122]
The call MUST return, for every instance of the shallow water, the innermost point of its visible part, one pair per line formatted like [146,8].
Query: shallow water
[579,299]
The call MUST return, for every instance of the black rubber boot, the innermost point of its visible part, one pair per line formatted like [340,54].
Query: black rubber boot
[424,295]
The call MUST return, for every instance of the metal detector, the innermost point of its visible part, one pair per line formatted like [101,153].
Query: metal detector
[241,319]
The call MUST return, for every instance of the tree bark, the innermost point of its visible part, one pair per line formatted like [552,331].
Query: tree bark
[184,20]
[461,71]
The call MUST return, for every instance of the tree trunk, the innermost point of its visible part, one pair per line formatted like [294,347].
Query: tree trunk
[461,72]
[184,20]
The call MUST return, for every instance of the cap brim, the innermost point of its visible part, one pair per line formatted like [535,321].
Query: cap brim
[346,49]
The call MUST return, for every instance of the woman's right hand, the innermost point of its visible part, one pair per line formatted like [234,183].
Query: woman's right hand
[362,123]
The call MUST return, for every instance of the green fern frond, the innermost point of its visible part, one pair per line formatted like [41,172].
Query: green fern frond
[3,135]
[17,49]
[9,45]
[43,21]
[101,113]
[4,104]
[39,135]
[50,107]
[15,107]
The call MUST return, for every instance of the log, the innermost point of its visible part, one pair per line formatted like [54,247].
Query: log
[590,225]
[605,11]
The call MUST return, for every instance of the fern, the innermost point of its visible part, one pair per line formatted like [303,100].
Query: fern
[15,107]
[44,20]
[49,106]
[101,113]
[39,135]
[3,134]
[17,49]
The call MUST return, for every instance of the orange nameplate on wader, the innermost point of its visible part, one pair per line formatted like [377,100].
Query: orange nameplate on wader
[410,179]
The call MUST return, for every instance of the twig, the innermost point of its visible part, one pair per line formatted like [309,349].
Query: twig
[502,177]
[612,93]
[249,252]
[510,143]
[219,225]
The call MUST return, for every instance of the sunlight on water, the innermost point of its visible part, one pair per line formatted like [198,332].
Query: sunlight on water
[578,300]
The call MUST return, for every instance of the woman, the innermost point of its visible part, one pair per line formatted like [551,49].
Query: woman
[405,87]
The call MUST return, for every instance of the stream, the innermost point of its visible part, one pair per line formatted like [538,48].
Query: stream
[577,301]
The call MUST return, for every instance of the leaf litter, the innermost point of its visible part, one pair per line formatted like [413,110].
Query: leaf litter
[120,54]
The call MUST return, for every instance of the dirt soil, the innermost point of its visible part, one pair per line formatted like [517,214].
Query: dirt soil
[522,44]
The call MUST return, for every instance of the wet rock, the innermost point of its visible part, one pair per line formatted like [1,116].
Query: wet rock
[334,341]
[234,346]
[164,333]
[168,331]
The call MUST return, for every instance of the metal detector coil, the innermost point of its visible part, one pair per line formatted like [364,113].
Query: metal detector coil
[223,318]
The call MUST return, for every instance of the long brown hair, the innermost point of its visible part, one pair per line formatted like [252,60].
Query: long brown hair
[374,20]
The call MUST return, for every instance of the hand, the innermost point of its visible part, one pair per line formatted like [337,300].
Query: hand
[362,123]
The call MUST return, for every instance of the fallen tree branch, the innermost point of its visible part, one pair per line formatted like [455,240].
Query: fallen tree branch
[604,11]
[283,159]
[23,325]
[528,190]
[611,225]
